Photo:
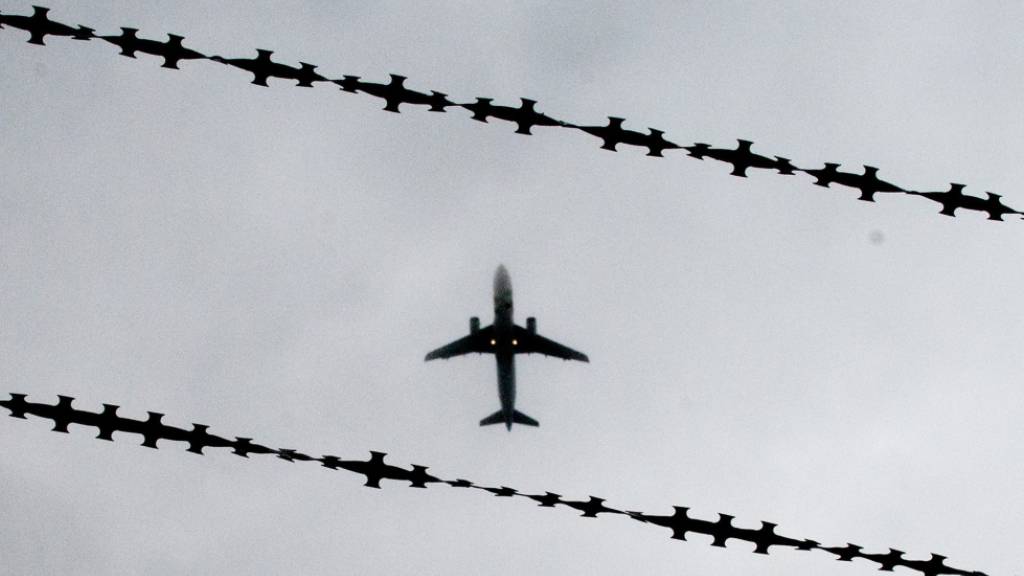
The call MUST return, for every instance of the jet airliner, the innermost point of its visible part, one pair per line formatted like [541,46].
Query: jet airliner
[505,339]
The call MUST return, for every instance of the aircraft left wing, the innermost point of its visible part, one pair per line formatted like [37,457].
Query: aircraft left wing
[531,342]
[479,341]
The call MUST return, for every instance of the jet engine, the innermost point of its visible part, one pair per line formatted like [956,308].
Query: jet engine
[531,325]
[474,325]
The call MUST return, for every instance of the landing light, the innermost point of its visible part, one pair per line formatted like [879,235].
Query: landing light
[515,342]
[493,342]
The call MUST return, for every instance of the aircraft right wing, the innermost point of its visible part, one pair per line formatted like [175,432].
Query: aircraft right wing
[531,342]
[479,341]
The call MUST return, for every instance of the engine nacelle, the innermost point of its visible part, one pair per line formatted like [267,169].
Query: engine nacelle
[531,325]
[474,325]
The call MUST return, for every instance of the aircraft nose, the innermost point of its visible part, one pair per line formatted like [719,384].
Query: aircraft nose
[501,280]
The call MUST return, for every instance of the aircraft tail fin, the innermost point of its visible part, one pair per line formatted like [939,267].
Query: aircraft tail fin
[517,418]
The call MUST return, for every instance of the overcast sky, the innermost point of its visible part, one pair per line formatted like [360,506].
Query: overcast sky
[275,262]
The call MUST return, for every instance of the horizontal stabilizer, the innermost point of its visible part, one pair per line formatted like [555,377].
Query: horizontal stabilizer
[520,418]
[496,418]
[517,418]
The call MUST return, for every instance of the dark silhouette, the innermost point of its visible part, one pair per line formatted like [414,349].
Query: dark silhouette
[245,446]
[172,51]
[39,26]
[846,553]
[955,198]
[505,339]
[721,531]
[868,183]
[679,522]
[526,117]
[935,566]
[766,537]
[395,93]
[198,438]
[614,134]
[546,500]
[591,508]
[741,158]
[262,68]
[888,561]
[503,492]
[18,407]
[151,430]
[293,455]
[375,469]
[62,414]
[418,477]
[107,422]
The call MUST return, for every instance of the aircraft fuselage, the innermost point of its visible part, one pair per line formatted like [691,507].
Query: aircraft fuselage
[504,344]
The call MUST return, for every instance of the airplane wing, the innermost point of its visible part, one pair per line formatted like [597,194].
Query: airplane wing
[531,342]
[479,341]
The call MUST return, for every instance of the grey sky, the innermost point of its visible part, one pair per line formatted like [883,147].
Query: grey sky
[275,262]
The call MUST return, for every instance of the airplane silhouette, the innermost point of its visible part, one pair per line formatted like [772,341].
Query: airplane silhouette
[955,198]
[868,182]
[525,116]
[395,93]
[741,158]
[39,26]
[262,68]
[172,51]
[505,339]
[614,134]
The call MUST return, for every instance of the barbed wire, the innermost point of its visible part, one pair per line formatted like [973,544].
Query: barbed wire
[525,116]
[375,469]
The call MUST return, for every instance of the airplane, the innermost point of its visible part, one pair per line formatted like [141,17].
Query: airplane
[505,339]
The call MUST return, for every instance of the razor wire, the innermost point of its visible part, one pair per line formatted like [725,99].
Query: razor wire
[375,469]
[525,116]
